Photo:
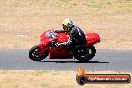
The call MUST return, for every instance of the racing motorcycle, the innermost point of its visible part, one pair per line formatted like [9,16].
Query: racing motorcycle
[48,47]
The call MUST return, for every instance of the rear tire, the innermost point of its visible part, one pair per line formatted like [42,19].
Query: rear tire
[34,54]
[89,54]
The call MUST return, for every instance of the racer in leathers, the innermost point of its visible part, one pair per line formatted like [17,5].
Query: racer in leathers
[76,35]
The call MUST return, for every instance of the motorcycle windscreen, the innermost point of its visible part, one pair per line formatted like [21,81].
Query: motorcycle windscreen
[47,37]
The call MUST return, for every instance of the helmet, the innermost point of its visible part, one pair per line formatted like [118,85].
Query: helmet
[67,24]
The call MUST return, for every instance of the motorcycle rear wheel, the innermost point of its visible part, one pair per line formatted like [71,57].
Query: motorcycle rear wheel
[89,54]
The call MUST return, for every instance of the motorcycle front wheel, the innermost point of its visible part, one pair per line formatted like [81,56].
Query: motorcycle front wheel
[34,54]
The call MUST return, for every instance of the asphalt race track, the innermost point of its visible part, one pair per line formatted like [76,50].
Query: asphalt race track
[108,60]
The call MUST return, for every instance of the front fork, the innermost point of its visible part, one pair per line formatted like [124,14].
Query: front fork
[42,49]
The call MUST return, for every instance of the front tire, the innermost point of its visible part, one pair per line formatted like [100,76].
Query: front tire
[34,53]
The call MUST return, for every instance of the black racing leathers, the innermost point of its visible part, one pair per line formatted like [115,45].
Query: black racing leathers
[76,36]
[76,39]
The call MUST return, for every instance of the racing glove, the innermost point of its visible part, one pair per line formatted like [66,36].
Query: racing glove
[57,44]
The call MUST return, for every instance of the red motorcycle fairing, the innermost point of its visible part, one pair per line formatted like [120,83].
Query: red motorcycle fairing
[54,52]
[92,38]
[58,53]
[63,52]
[62,37]
[44,40]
